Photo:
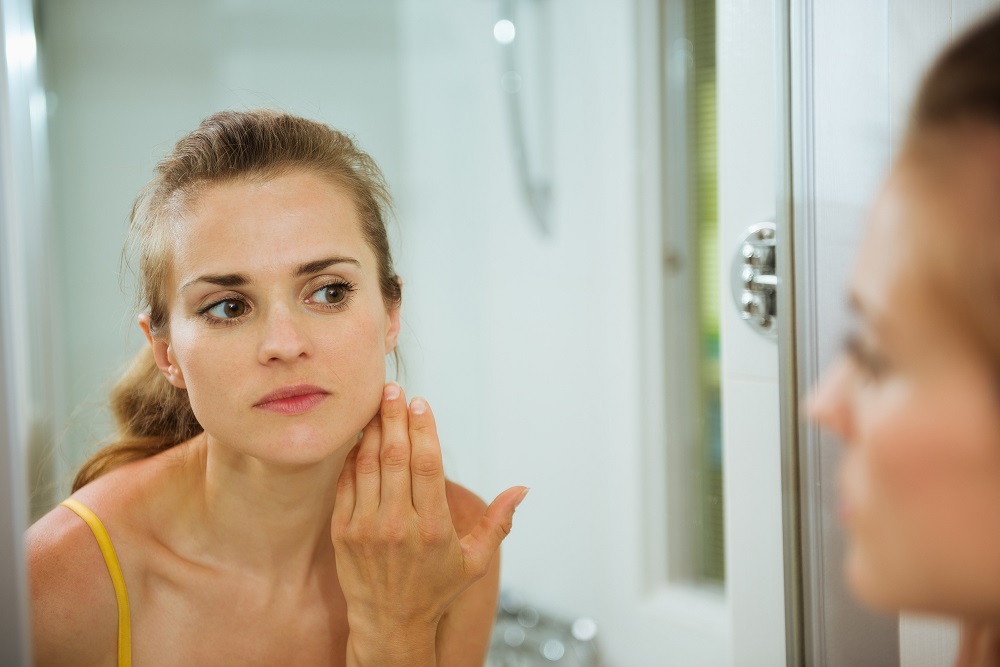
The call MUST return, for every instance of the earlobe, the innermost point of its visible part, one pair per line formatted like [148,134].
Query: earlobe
[392,329]
[174,375]
[173,372]
[162,354]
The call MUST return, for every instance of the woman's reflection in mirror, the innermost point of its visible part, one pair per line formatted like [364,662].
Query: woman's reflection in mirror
[269,500]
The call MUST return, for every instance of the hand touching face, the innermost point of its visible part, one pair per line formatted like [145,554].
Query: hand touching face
[399,558]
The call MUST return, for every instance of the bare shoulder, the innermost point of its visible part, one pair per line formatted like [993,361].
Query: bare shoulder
[74,608]
[465,506]
[74,612]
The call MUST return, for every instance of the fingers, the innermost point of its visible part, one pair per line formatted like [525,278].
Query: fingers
[368,477]
[426,468]
[394,456]
[482,543]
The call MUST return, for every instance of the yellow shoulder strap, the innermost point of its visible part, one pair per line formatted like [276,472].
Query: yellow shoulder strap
[115,570]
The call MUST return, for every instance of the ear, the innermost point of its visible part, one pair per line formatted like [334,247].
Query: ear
[392,323]
[391,329]
[162,354]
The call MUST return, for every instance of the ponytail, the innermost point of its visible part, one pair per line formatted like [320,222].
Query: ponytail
[152,416]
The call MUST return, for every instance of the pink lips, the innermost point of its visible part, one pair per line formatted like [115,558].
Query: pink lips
[293,400]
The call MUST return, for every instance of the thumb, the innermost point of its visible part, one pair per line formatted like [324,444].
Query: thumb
[484,540]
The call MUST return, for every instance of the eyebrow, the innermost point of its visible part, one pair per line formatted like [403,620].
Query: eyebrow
[239,279]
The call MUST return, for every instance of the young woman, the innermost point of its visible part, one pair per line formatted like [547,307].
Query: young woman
[916,396]
[270,500]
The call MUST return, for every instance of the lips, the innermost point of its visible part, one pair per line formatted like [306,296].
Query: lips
[293,400]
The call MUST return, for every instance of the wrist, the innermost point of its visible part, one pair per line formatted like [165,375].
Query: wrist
[409,647]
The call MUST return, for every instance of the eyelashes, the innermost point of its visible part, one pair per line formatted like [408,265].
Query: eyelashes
[332,296]
[870,362]
[339,294]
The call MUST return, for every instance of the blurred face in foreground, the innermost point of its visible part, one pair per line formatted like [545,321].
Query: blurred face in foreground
[915,398]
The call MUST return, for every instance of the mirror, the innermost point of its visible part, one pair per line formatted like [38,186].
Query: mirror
[518,241]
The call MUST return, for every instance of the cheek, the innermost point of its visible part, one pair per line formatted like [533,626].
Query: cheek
[211,368]
[934,452]
[927,476]
[354,355]
[874,469]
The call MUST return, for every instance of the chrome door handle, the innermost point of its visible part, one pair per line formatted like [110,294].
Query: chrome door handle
[754,281]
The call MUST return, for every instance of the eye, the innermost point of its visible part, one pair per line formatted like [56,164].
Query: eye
[333,294]
[227,310]
[870,362]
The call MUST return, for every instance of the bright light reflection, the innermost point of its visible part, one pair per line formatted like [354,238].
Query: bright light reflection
[21,49]
[584,629]
[38,109]
[553,650]
[504,31]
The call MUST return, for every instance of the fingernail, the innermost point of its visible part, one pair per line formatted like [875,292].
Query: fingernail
[521,497]
[391,391]
[419,406]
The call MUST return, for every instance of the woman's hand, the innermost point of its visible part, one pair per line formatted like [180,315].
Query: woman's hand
[399,558]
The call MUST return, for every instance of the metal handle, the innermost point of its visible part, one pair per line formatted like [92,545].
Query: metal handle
[754,281]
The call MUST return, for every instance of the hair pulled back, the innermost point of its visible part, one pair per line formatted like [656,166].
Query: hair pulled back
[957,110]
[957,113]
[151,414]
[964,82]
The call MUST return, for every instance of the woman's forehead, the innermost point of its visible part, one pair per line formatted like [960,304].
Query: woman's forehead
[286,221]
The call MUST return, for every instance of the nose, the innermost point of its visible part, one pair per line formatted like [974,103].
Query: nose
[284,335]
[829,404]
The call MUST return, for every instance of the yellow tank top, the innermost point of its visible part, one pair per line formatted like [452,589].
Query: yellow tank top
[115,570]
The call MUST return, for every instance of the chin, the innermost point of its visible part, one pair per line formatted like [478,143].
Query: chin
[290,444]
[872,588]
[305,445]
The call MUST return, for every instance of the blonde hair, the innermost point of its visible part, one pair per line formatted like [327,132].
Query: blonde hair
[151,414]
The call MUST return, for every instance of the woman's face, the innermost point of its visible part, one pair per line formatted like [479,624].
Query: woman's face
[277,326]
[917,407]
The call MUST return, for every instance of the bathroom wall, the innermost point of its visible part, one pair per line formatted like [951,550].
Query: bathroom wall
[530,343]
[546,331]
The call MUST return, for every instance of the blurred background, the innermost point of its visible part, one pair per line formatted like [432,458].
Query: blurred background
[574,183]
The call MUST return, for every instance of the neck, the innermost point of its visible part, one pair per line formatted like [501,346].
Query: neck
[270,521]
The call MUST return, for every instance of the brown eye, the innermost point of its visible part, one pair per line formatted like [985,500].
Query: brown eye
[332,294]
[228,309]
